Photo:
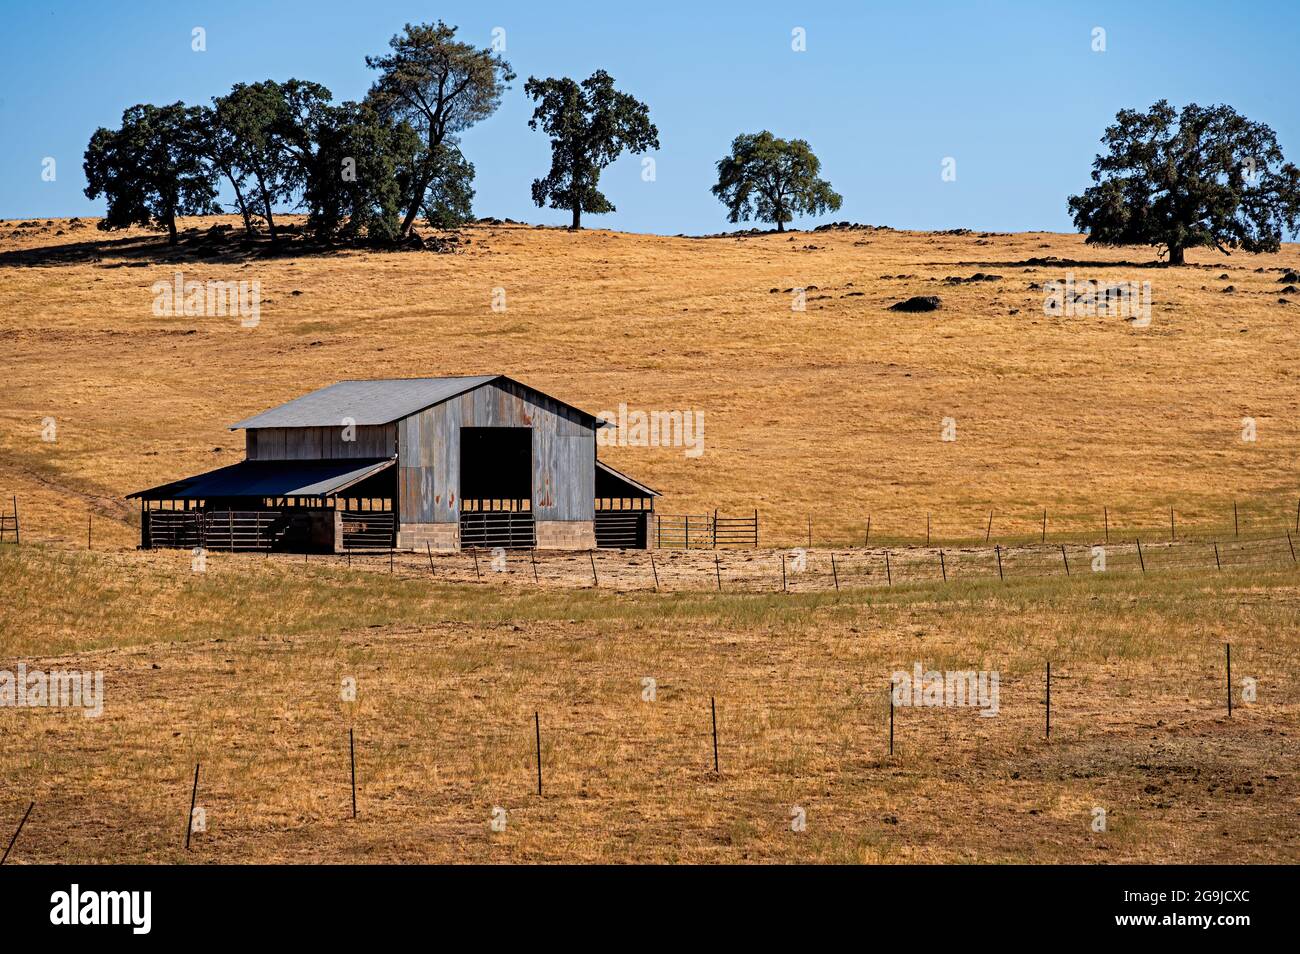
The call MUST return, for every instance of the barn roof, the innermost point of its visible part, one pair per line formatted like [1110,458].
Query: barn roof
[379,402]
[271,478]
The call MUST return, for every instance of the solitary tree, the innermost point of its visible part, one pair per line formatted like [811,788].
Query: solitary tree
[440,87]
[1202,177]
[590,124]
[152,169]
[772,180]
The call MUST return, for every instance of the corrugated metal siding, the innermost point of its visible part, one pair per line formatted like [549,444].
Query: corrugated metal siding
[320,443]
[564,453]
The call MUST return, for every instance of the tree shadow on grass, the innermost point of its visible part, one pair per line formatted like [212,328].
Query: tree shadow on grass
[218,244]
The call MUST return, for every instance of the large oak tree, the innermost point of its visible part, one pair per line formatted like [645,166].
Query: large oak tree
[1205,176]
[772,180]
[153,169]
[590,124]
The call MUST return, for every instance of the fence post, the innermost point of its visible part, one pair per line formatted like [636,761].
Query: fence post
[1228,649]
[835,573]
[1044,525]
[653,569]
[1105,516]
[1291,545]
[1141,562]
[1236,526]
[889,577]
[1049,699]
[714,529]
[942,568]
[891,719]
[1217,564]
[927,529]
[717,566]
[17,539]
[989,529]
[1065,560]
[810,531]
[998,551]
[713,709]
[867,541]
[783,573]
[537,726]
[1172,538]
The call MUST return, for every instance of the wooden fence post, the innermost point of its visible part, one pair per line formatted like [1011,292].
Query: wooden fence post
[189,819]
[537,726]
[835,573]
[1227,647]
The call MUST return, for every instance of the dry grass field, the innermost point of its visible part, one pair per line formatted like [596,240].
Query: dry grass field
[834,412]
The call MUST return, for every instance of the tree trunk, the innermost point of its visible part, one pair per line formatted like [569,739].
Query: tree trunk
[1176,255]
[780,226]
[577,216]
[417,200]
[239,201]
[266,204]
[171,228]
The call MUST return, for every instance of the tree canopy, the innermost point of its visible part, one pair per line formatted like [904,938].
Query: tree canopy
[772,180]
[440,86]
[1205,176]
[152,169]
[590,125]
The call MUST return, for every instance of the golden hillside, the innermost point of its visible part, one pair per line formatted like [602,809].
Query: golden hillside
[834,412]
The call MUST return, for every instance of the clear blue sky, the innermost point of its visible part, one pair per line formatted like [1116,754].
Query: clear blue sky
[1012,91]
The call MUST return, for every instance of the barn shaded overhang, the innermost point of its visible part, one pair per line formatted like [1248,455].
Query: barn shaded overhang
[272,478]
[611,483]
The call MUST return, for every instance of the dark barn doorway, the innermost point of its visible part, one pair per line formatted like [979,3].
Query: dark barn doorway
[496,487]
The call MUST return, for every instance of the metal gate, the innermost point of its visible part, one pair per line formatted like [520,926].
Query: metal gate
[706,531]
[509,529]
[368,529]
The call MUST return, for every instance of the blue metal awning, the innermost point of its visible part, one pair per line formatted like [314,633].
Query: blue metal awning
[271,478]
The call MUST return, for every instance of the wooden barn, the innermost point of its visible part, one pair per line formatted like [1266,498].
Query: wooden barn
[443,463]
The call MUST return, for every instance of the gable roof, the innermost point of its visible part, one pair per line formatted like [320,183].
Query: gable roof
[380,402]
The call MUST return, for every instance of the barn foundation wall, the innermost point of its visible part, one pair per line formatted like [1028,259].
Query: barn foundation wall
[438,536]
[566,534]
